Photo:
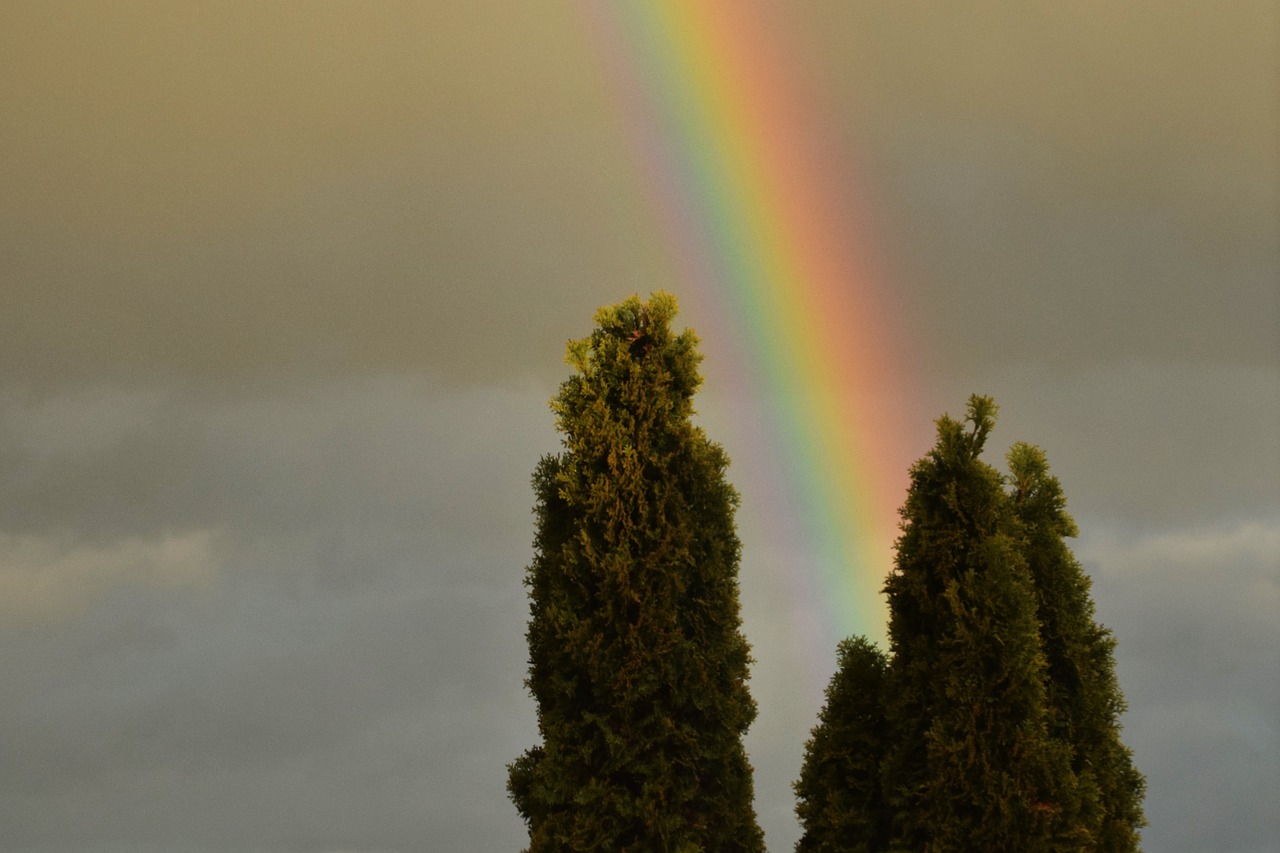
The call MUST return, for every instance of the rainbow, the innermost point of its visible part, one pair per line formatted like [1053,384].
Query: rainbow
[746,185]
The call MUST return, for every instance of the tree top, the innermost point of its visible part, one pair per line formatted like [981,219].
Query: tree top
[629,333]
[958,445]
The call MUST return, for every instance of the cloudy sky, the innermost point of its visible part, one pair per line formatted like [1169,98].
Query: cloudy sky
[286,288]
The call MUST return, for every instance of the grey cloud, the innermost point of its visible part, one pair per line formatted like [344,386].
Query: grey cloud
[1027,260]
[271,721]
[1148,442]
[389,452]
[1195,611]
[349,673]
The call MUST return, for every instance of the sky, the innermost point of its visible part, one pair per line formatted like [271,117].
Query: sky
[286,289]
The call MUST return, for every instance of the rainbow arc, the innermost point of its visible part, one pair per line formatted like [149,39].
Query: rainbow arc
[742,173]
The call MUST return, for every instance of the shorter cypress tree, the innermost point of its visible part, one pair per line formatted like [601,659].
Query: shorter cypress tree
[838,794]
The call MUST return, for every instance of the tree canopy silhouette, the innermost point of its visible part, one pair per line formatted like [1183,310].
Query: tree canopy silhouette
[636,658]
[994,725]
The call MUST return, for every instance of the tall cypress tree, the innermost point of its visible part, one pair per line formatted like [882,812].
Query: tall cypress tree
[1084,696]
[838,795]
[637,661]
[970,765]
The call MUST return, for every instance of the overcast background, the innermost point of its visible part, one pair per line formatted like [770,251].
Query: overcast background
[285,291]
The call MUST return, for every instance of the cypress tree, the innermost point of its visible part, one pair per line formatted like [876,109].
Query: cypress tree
[637,661]
[970,764]
[995,721]
[1084,696]
[838,795]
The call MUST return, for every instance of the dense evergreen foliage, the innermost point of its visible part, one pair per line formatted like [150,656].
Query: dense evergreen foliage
[1084,697]
[637,661]
[839,799]
[970,764]
[997,707]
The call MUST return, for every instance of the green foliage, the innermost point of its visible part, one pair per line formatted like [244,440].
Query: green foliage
[970,764]
[1084,697]
[993,722]
[839,799]
[637,661]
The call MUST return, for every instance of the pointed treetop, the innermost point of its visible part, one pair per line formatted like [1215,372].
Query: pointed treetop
[1036,490]
[955,444]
